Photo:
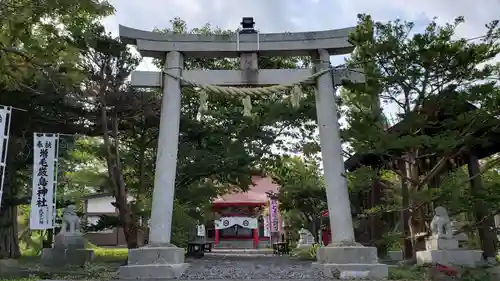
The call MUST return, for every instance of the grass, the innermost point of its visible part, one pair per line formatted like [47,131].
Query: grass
[413,273]
[110,254]
[103,267]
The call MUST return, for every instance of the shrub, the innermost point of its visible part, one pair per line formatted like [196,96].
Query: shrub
[307,253]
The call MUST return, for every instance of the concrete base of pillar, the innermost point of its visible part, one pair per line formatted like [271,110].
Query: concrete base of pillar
[396,255]
[469,258]
[351,260]
[154,263]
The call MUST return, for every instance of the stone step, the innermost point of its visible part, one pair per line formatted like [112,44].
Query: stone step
[240,252]
[240,244]
[226,267]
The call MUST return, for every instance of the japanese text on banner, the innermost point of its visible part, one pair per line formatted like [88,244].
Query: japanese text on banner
[274,215]
[267,227]
[42,198]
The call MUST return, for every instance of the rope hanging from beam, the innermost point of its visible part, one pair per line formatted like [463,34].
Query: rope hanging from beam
[247,93]
[252,92]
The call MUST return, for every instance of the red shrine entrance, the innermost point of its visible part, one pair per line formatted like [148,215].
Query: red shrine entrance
[243,216]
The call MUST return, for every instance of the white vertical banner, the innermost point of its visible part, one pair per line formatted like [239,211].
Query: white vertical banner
[267,227]
[5,117]
[43,209]
[274,215]
[200,230]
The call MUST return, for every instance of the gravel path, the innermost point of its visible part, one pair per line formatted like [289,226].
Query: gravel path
[247,267]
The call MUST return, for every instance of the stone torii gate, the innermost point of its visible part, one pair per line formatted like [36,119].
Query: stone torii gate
[161,259]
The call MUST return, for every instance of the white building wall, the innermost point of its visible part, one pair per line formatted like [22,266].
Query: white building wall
[102,204]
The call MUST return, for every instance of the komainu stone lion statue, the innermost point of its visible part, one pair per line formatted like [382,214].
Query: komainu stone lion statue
[441,224]
[70,220]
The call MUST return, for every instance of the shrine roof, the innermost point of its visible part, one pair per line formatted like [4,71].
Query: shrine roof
[255,193]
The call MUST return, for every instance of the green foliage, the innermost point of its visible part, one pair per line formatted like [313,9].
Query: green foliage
[393,240]
[183,225]
[313,250]
[429,79]
[407,70]
[223,145]
[413,273]
[37,39]
[110,254]
[308,254]
[302,191]
[39,73]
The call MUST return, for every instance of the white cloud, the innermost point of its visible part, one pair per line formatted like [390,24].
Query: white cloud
[298,15]
[293,15]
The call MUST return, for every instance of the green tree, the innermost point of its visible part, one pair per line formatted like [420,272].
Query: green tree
[302,191]
[421,74]
[108,63]
[39,73]
[37,39]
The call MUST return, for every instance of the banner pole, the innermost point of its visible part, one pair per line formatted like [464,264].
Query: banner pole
[3,160]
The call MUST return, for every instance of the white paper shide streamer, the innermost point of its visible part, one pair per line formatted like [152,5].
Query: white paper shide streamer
[5,116]
[44,181]
[267,227]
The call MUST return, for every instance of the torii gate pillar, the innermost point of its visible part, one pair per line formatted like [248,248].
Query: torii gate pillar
[166,157]
[343,254]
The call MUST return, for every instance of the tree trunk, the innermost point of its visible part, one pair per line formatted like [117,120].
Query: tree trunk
[142,191]
[127,218]
[418,211]
[315,227]
[115,174]
[485,229]
[405,214]
[377,226]
[9,240]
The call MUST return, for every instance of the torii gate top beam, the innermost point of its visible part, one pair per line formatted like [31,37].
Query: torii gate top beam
[154,44]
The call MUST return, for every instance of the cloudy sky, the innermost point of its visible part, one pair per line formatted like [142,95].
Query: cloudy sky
[298,15]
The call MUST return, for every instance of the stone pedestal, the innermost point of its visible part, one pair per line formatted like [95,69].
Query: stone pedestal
[441,244]
[447,252]
[69,249]
[154,263]
[395,255]
[363,260]
[462,239]
[469,258]
[57,257]
[67,240]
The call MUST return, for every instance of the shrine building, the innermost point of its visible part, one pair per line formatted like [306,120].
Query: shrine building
[246,219]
